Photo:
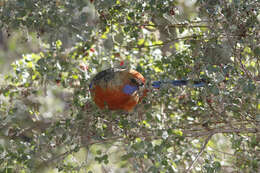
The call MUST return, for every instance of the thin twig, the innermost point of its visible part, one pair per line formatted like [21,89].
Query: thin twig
[165,42]
[222,152]
[178,25]
[188,133]
[54,159]
[199,154]
[192,37]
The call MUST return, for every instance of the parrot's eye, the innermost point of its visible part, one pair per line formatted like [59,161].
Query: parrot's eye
[136,82]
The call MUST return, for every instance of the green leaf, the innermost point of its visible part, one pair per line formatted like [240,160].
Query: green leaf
[217,166]
[249,87]
[214,90]
[140,42]
[75,76]
[177,132]
[58,44]
[128,156]
[131,15]
[257,51]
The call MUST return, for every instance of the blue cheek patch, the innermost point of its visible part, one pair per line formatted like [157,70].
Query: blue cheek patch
[128,89]
[90,85]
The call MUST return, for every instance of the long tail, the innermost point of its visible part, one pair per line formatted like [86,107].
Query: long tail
[158,84]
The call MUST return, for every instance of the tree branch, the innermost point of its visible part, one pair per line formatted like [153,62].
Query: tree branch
[199,154]
[189,133]
[165,42]
[177,25]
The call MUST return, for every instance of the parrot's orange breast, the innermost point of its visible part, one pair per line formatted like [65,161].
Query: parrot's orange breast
[117,89]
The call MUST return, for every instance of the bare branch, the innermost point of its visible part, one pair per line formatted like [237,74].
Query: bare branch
[201,151]
[178,25]
[189,133]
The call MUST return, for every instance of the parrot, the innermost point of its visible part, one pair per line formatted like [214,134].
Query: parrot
[123,89]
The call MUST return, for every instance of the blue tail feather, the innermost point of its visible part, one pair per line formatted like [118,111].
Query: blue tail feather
[157,84]
[179,82]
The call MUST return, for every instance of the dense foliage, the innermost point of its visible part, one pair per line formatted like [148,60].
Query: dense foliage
[49,122]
